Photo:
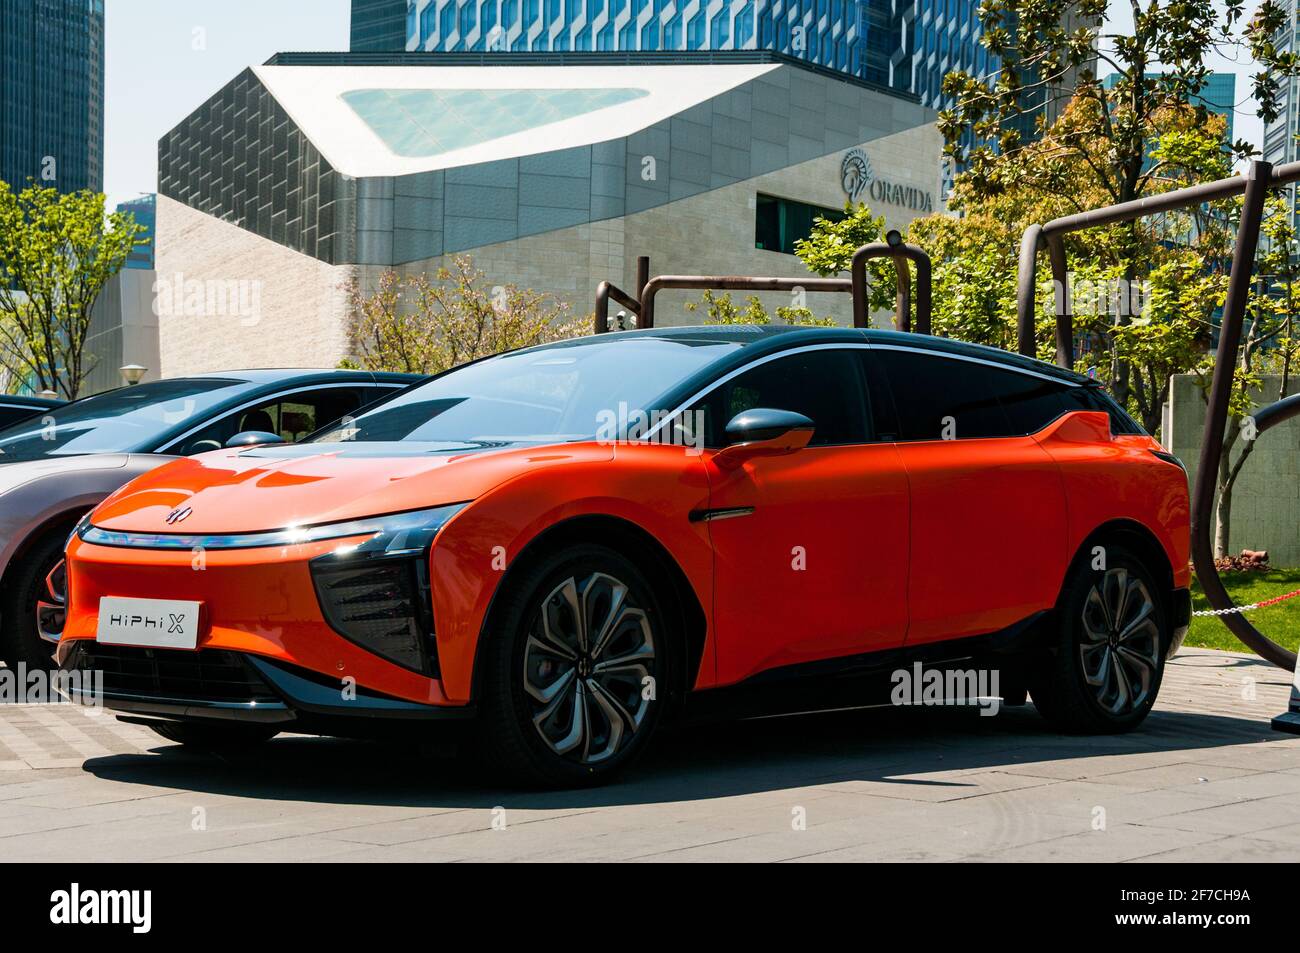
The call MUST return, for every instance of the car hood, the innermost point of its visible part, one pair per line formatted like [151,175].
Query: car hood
[272,487]
[14,475]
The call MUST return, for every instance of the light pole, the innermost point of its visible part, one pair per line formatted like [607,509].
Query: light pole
[131,373]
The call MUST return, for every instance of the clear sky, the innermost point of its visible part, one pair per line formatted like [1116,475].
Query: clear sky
[165,57]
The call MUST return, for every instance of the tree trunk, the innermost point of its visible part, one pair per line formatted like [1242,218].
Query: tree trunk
[1223,506]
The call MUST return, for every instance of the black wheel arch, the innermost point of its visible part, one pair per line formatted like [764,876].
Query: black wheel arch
[1142,543]
[636,543]
[62,523]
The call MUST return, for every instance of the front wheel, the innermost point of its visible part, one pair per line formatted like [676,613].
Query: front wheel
[574,670]
[1105,670]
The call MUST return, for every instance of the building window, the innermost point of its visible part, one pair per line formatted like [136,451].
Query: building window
[720,29]
[779,223]
[427,19]
[695,32]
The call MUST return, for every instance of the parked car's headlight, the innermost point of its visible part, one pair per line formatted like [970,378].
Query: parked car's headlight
[376,593]
[393,533]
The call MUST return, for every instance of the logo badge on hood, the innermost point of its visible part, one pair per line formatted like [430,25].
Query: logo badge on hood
[178,515]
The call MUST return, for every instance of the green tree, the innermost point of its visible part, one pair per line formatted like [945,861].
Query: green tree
[422,325]
[720,309]
[828,251]
[1138,134]
[57,251]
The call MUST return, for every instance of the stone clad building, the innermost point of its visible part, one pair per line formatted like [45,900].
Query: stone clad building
[550,172]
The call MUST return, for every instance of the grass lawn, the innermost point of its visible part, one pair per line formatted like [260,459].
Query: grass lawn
[1281,622]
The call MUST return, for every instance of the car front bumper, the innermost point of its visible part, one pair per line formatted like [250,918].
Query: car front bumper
[220,685]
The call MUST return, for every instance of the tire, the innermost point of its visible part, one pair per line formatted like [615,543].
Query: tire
[215,737]
[25,591]
[1104,673]
[554,711]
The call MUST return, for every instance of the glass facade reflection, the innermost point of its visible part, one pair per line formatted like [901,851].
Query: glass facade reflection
[378,26]
[902,44]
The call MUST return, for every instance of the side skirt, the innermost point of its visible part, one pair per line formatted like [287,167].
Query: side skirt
[866,679]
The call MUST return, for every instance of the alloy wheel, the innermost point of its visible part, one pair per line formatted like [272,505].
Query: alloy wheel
[589,655]
[51,608]
[1120,647]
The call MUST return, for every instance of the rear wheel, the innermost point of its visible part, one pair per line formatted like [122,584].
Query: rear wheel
[215,737]
[32,612]
[1105,671]
[573,671]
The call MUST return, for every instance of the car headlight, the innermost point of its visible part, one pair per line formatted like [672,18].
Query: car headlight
[376,593]
[395,532]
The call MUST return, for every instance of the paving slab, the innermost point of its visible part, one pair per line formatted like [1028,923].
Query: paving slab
[1205,778]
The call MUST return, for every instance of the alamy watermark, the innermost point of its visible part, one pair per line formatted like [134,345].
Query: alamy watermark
[39,686]
[947,686]
[624,424]
[178,296]
[1120,297]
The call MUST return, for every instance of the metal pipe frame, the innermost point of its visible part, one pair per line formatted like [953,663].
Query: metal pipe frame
[901,254]
[1052,234]
[732,283]
[1254,186]
[604,292]
[607,290]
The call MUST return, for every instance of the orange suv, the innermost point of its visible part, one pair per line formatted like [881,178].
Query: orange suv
[562,544]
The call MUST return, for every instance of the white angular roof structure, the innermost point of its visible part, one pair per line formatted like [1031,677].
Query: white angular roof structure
[399,120]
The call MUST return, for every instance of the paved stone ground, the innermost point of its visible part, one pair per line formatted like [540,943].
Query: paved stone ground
[1204,779]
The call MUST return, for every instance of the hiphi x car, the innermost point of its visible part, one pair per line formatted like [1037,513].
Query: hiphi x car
[560,544]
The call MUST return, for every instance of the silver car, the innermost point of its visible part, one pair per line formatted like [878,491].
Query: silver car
[57,466]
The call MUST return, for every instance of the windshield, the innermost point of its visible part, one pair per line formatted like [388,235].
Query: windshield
[129,419]
[561,392]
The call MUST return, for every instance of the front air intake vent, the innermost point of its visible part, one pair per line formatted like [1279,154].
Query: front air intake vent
[380,604]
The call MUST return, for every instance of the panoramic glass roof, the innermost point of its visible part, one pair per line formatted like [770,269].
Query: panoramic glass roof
[418,123]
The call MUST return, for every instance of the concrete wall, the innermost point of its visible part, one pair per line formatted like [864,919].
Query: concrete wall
[1266,499]
[710,233]
[231,299]
[123,330]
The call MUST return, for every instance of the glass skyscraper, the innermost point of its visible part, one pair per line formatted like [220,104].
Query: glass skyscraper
[52,93]
[901,44]
[1218,95]
[145,212]
[378,26]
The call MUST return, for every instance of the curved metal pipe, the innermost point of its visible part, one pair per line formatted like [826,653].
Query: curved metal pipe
[1061,294]
[1025,290]
[1216,419]
[604,291]
[1277,413]
[899,252]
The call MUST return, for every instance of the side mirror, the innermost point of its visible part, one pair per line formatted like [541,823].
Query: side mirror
[764,432]
[253,438]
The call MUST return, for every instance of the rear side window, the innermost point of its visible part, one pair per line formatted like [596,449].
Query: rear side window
[1094,398]
[825,386]
[938,397]
[1031,403]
